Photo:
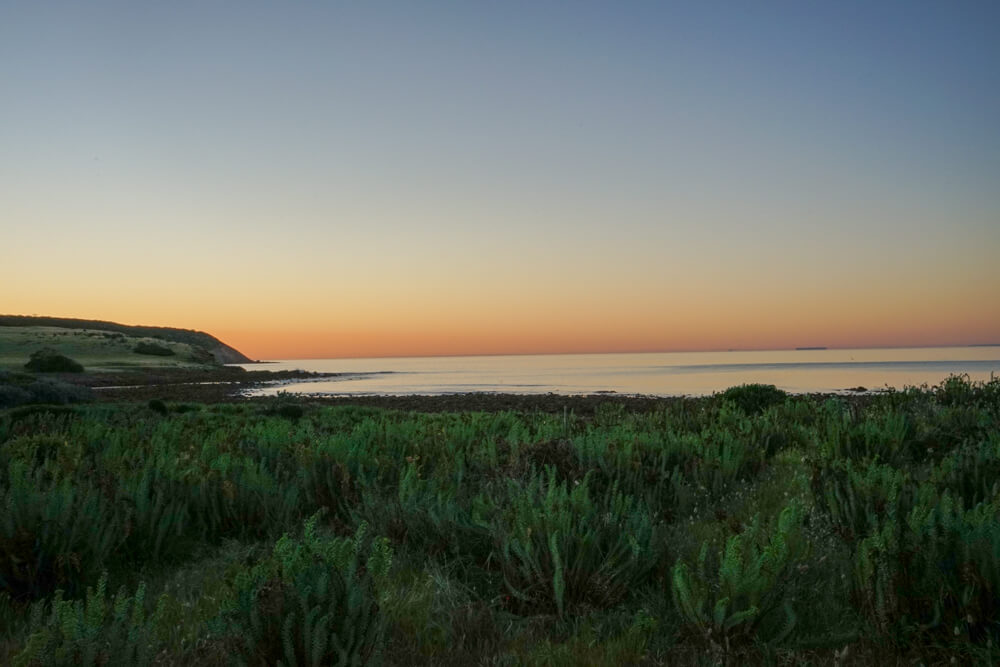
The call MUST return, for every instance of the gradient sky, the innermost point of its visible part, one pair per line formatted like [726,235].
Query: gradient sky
[374,178]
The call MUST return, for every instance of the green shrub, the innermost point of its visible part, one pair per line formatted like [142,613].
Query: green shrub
[55,531]
[754,398]
[857,496]
[48,360]
[328,483]
[153,349]
[432,515]
[933,571]
[971,472]
[562,549]
[740,595]
[96,631]
[956,390]
[28,419]
[157,406]
[314,601]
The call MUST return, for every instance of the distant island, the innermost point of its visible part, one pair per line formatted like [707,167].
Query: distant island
[818,347]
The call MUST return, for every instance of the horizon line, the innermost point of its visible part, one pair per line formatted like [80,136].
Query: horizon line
[594,353]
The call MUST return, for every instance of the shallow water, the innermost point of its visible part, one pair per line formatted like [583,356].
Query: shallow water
[663,374]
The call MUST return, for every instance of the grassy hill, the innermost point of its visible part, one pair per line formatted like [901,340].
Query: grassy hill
[102,345]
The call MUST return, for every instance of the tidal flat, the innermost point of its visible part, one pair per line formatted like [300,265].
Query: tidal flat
[746,527]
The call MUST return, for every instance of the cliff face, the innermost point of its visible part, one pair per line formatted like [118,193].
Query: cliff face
[222,353]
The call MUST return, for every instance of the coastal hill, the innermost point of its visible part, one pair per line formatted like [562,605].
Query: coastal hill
[109,344]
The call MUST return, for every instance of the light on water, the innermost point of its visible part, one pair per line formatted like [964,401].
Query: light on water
[662,374]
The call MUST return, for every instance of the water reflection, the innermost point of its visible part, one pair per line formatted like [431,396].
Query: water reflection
[690,373]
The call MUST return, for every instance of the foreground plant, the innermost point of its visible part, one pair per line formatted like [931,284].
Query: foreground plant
[561,548]
[95,631]
[313,601]
[741,595]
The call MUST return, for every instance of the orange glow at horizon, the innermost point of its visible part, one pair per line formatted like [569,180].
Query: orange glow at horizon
[847,321]
[275,317]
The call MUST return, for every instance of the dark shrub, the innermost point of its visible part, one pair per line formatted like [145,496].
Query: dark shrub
[22,388]
[156,405]
[28,411]
[58,393]
[754,398]
[48,360]
[290,411]
[153,349]
[16,378]
[11,396]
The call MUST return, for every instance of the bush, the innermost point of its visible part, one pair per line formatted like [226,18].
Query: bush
[933,572]
[430,514]
[158,406]
[563,550]
[28,419]
[153,349]
[48,360]
[741,595]
[312,602]
[54,532]
[58,393]
[290,411]
[754,398]
[23,388]
[11,396]
[95,631]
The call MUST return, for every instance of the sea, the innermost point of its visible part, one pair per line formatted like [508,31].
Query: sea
[649,374]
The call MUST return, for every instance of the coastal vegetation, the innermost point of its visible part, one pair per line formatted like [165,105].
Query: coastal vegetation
[749,527]
[48,360]
[19,388]
[153,349]
[106,347]
[218,352]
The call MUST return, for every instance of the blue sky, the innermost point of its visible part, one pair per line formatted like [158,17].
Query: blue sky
[422,167]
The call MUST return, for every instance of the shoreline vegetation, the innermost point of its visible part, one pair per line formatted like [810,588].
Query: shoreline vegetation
[156,515]
[212,350]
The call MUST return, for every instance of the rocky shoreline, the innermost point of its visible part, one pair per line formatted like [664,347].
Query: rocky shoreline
[231,384]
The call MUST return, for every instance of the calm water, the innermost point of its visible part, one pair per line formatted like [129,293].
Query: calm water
[664,374]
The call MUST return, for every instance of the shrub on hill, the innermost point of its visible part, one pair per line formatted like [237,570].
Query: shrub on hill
[48,360]
[153,349]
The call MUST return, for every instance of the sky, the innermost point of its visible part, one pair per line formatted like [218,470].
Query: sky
[352,179]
